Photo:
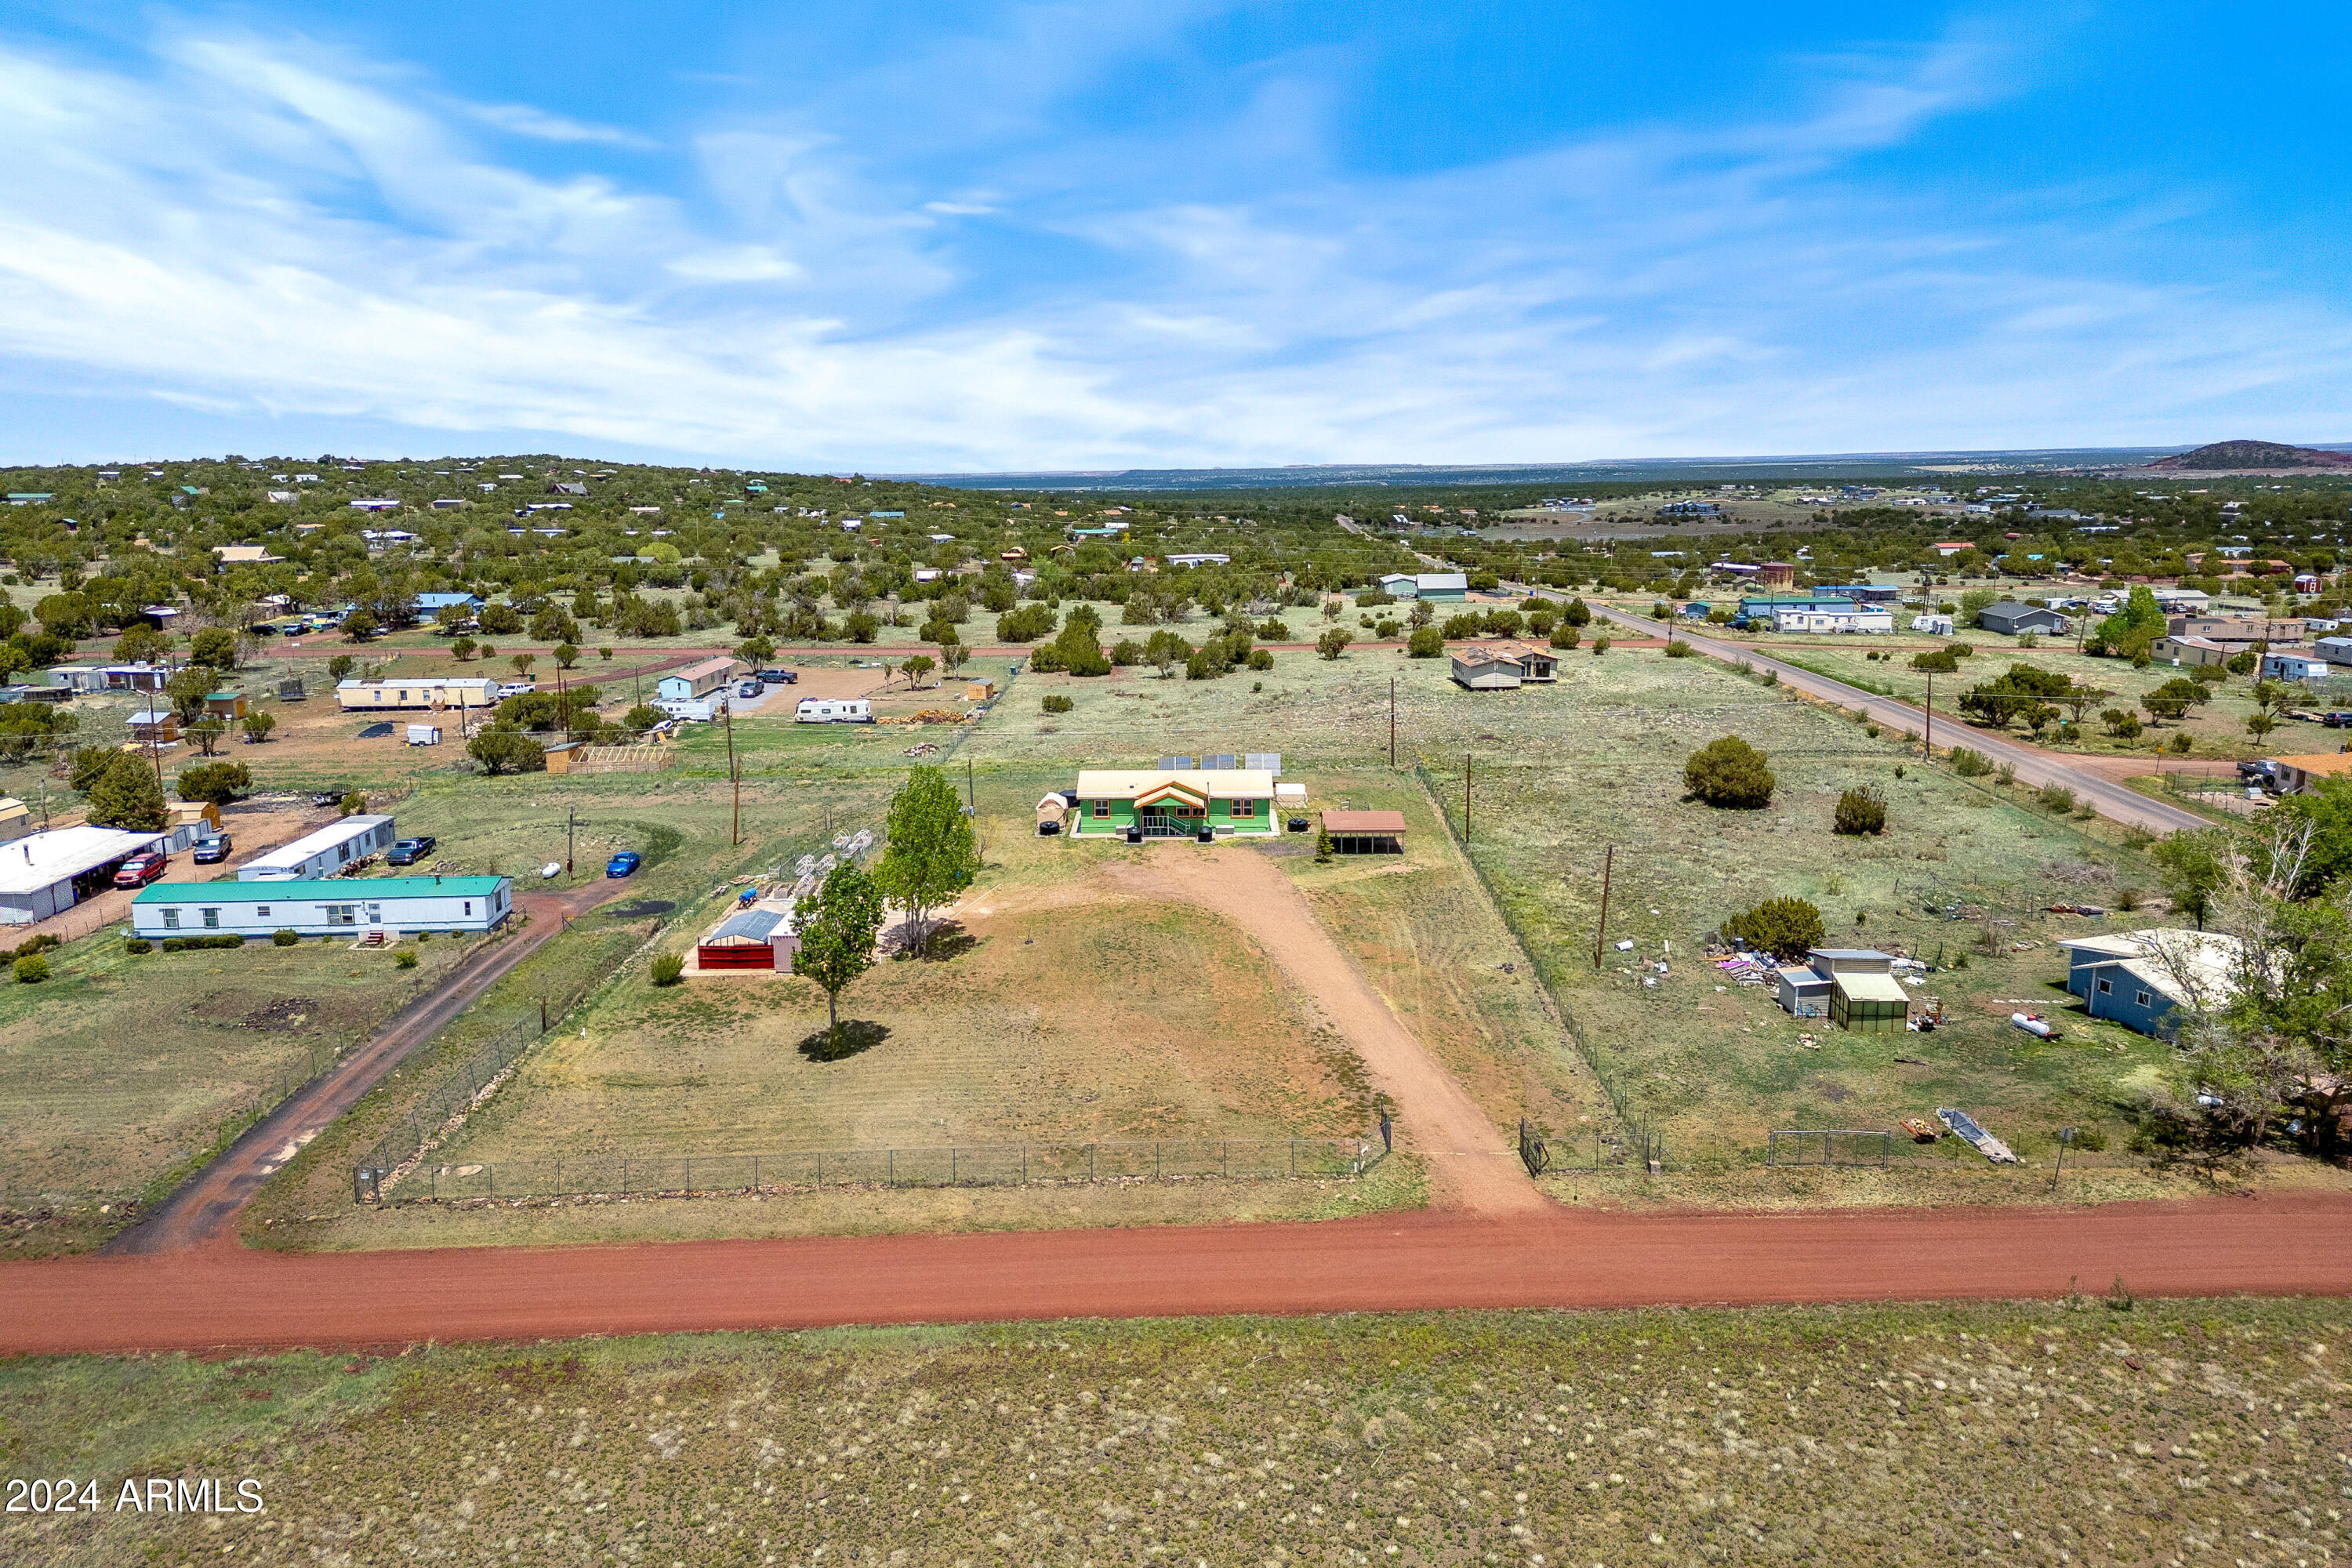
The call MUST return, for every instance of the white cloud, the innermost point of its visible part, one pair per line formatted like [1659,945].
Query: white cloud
[275,228]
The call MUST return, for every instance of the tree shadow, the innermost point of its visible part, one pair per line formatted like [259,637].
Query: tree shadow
[949,939]
[854,1037]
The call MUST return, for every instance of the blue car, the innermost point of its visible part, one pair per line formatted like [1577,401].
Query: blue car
[621,865]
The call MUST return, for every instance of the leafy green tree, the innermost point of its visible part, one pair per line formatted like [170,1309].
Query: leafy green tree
[1426,642]
[359,625]
[258,725]
[1564,636]
[837,929]
[756,650]
[1577,614]
[141,644]
[2024,692]
[1333,642]
[2132,629]
[127,796]
[1786,928]
[462,649]
[206,732]
[215,781]
[89,766]
[2188,865]
[920,665]
[931,855]
[1167,651]
[643,717]
[214,645]
[566,656]
[1729,771]
[340,667]
[187,691]
[522,663]
[502,750]
[1860,812]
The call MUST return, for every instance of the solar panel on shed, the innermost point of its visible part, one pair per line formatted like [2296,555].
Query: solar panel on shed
[1222,759]
[1264,762]
[1174,765]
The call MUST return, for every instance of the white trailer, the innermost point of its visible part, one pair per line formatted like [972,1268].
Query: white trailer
[424,736]
[693,711]
[833,711]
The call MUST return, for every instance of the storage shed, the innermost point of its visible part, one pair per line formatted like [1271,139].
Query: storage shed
[1482,669]
[1865,998]
[323,853]
[1365,832]
[1054,811]
[344,906]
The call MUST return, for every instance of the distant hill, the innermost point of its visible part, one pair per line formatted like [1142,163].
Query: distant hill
[2255,454]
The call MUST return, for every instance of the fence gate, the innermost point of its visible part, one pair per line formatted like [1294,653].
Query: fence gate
[1532,1152]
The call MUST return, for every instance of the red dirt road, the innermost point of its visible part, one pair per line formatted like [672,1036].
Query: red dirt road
[219,1296]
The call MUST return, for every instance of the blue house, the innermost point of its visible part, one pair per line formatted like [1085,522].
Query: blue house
[431,605]
[2142,978]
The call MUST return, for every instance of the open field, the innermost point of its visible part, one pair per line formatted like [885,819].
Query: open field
[2051,1431]
[121,1070]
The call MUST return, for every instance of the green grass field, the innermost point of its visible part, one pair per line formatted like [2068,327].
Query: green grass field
[2047,1432]
[121,1071]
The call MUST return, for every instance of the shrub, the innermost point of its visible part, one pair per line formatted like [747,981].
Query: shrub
[2055,797]
[1677,648]
[667,967]
[403,960]
[1333,643]
[1058,703]
[1729,772]
[1940,660]
[1564,635]
[1970,764]
[174,944]
[32,969]
[1426,642]
[1260,659]
[138,944]
[1861,811]
[1785,928]
[282,937]
[1600,646]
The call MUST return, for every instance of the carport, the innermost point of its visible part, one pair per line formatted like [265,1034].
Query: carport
[1365,832]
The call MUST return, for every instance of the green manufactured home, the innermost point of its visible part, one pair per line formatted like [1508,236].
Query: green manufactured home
[1179,804]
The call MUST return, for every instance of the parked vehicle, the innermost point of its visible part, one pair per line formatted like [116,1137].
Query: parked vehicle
[326,797]
[833,711]
[517,689]
[2336,720]
[212,851]
[622,864]
[140,869]
[749,688]
[409,851]
[780,678]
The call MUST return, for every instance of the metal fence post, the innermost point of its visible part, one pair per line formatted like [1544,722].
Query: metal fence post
[559,1176]
[624,1175]
[689,1173]
[892,1157]
[1090,1162]
[820,1170]
[755,1173]
[1155,1159]
[1294,1156]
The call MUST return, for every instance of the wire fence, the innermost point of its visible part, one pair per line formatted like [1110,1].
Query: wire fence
[929,1165]
[1634,1132]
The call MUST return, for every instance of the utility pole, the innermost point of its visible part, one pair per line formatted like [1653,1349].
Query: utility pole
[1601,932]
[1928,754]
[734,777]
[971,794]
[570,820]
[1392,721]
[1466,799]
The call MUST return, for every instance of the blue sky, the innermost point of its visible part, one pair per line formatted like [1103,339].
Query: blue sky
[1109,235]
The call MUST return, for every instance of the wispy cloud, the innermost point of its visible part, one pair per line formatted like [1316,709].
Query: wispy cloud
[278,226]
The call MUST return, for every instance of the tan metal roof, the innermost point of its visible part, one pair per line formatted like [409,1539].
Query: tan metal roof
[1204,784]
[1363,822]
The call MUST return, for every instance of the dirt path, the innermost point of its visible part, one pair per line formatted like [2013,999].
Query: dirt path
[203,1211]
[223,1297]
[1472,1166]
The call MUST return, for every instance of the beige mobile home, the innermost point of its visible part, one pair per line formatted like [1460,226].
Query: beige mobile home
[458,691]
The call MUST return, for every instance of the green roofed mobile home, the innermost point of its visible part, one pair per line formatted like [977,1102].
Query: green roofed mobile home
[339,906]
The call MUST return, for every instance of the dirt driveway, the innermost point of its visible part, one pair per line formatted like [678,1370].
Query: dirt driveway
[1472,1165]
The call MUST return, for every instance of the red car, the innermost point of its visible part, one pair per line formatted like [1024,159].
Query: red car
[140,869]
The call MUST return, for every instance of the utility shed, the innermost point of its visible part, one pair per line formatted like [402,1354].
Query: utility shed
[343,906]
[1365,832]
[42,874]
[323,853]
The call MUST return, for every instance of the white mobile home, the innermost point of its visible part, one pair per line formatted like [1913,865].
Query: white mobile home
[43,874]
[458,691]
[321,854]
[347,906]
[833,711]
[697,680]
